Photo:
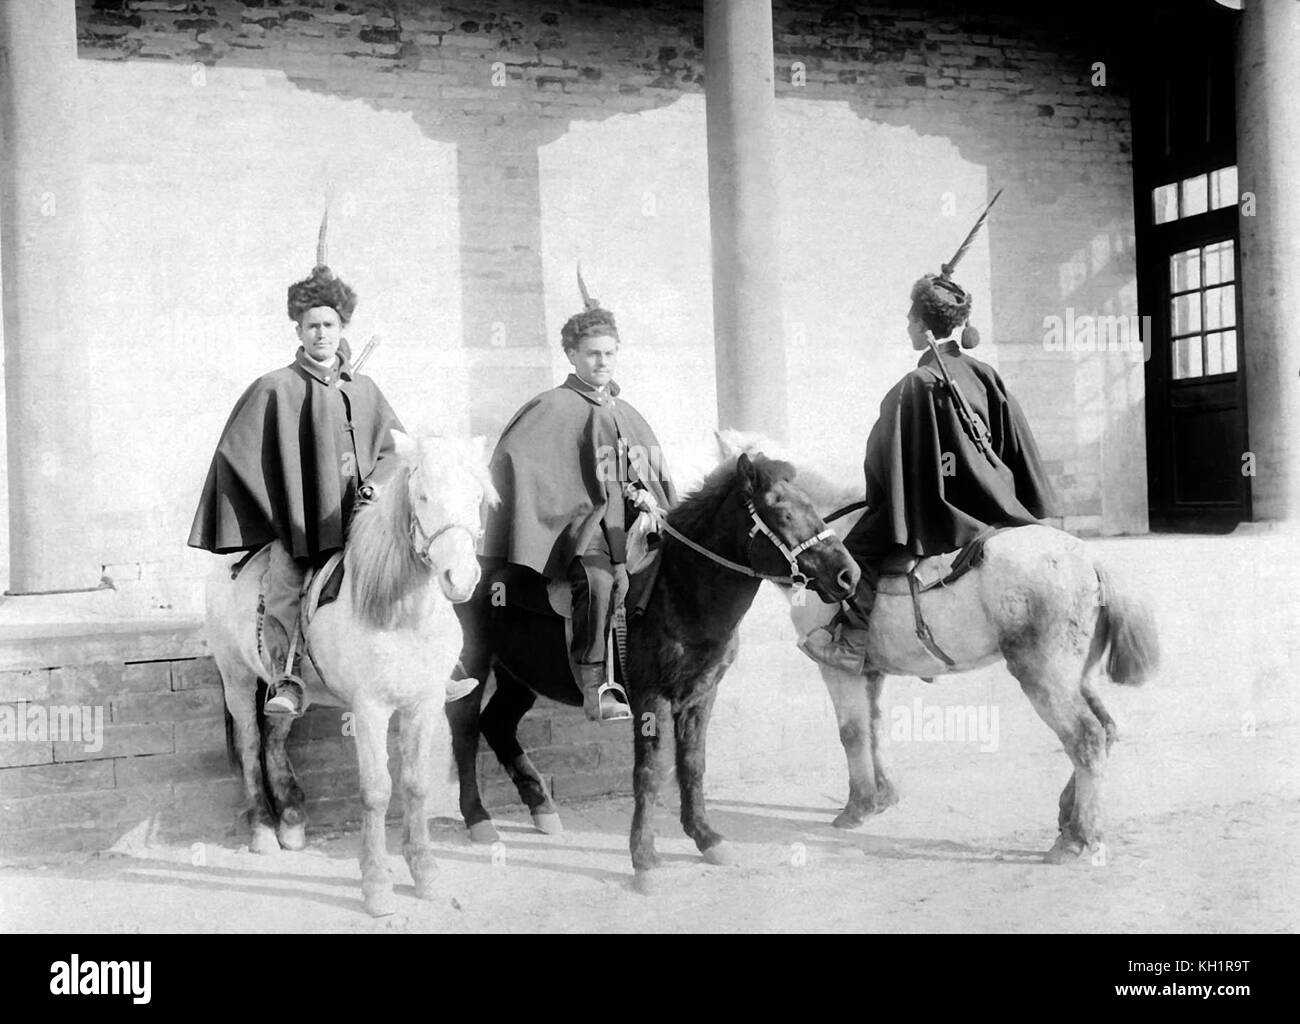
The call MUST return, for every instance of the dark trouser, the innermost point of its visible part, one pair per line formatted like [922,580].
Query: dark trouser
[598,586]
[474,615]
[857,609]
[282,597]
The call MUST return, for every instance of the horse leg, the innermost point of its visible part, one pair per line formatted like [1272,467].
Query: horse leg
[857,713]
[886,794]
[463,717]
[1103,716]
[418,726]
[287,796]
[691,727]
[1058,695]
[650,717]
[240,688]
[500,724]
[376,789]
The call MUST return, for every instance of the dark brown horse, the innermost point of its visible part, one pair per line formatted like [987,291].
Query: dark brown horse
[746,512]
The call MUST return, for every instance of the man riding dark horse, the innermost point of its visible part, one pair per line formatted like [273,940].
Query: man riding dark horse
[951,455]
[574,467]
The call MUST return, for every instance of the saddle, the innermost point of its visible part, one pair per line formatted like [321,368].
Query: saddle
[903,573]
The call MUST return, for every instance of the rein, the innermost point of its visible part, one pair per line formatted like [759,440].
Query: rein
[796,578]
[844,510]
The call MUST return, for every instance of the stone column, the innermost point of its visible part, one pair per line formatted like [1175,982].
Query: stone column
[1268,160]
[47,388]
[749,346]
[504,317]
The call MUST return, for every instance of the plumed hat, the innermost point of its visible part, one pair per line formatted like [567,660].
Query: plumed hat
[322,287]
[941,302]
[943,305]
[593,321]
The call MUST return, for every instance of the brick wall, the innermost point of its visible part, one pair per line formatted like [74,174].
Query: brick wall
[160,770]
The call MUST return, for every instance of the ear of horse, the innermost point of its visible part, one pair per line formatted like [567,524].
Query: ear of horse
[407,447]
[747,475]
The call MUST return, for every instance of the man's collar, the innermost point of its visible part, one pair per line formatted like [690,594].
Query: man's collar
[947,348]
[342,368]
[590,391]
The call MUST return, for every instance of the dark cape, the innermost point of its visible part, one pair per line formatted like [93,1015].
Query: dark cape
[285,468]
[560,477]
[912,502]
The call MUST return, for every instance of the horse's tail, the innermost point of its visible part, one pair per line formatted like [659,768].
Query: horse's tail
[1126,633]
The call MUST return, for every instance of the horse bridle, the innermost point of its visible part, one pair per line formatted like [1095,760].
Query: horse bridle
[791,554]
[423,542]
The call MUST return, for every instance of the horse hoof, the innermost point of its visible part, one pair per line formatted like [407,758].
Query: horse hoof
[426,886]
[263,841]
[548,822]
[484,833]
[645,883]
[847,819]
[720,855]
[1064,851]
[381,903]
[292,837]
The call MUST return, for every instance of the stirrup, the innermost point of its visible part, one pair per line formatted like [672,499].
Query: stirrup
[620,714]
[280,705]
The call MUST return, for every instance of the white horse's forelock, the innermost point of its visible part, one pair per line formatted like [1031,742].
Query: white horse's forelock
[387,576]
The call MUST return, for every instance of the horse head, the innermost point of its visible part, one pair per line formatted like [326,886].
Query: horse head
[786,532]
[447,485]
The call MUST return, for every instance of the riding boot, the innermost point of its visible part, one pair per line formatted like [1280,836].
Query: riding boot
[842,642]
[601,699]
[839,644]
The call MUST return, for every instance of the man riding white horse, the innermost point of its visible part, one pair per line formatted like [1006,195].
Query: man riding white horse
[951,455]
[301,445]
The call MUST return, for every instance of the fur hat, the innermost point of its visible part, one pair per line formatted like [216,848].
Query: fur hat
[592,322]
[942,305]
[322,288]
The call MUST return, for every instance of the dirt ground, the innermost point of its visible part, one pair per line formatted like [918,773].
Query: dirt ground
[1211,860]
[1202,814]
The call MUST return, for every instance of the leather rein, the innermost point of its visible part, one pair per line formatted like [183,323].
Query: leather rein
[791,554]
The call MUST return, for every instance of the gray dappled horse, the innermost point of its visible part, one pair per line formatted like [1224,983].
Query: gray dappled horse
[1039,601]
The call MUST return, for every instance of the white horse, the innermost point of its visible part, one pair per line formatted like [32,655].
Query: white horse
[1039,601]
[388,643]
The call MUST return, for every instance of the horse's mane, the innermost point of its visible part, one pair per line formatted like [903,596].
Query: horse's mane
[827,486]
[385,576]
[697,513]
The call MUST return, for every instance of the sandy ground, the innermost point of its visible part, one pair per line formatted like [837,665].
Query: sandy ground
[1208,859]
[1202,812]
